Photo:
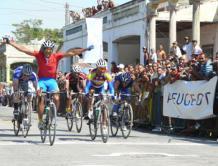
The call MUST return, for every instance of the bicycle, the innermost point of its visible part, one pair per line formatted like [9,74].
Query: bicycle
[49,120]
[100,111]
[76,115]
[22,121]
[124,118]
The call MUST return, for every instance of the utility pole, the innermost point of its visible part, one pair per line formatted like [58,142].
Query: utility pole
[67,14]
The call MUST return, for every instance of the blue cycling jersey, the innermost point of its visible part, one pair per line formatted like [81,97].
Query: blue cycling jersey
[122,88]
[19,76]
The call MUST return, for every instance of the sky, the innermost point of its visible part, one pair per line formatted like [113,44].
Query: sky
[51,12]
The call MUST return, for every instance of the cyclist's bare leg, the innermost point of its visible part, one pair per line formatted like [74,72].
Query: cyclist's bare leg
[105,122]
[57,101]
[15,95]
[90,104]
[68,107]
[41,106]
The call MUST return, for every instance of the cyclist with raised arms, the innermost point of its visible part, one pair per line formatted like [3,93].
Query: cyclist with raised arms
[47,67]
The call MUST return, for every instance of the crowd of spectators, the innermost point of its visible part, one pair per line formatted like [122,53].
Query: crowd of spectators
[102,5]
[187,62]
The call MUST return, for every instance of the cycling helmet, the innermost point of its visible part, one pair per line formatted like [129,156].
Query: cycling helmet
[27,69]
[76,69]
[126,77]
[48,44]
[101,63]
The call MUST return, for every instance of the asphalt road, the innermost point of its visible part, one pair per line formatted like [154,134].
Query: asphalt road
[77,149]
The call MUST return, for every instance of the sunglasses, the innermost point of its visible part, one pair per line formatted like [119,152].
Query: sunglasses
[26,75]
[102,68]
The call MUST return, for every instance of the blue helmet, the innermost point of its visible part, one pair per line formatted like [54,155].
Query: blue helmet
[27,69]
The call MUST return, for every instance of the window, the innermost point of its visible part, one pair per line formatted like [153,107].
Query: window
[105,47]
[74,30]
[104,20]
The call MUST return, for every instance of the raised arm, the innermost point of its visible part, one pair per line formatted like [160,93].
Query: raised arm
[77,51]
[18,47]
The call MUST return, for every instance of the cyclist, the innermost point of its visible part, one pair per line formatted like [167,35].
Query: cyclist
[22,77]
[47,68]
[95,83]
[123,85]
[76,82]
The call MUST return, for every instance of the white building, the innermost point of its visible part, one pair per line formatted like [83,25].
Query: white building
[129,27]
[12,58]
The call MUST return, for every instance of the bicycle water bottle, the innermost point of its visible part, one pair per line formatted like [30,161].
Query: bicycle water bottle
[97,110]
[46,109]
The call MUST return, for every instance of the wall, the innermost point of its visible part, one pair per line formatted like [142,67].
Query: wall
[130,56]
[115,28]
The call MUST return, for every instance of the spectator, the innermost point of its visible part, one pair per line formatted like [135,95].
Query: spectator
[114,68]
[94,10]
[174,75]
[182,61]
[153,56]
[59,74]
[206,69]
[146,55]
[196,49]
[187,48]
[104,4]
[161,54]
[215,63]
[111,4]
[121,68]
[131,69]
[175,50]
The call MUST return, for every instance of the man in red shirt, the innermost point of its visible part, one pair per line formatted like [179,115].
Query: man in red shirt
[47,67]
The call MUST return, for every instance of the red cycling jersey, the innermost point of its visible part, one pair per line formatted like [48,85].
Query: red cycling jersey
[47,67]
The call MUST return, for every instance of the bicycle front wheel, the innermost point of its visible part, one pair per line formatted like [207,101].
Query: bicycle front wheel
[104,123]
[52,123]
[16,126]
[26,125]
[69,119]
[114,124]
[93,126]
[78,116]
[126,121]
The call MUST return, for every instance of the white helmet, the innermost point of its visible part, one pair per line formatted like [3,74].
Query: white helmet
[48,44]
[101,63]
[76,69]
[27,69]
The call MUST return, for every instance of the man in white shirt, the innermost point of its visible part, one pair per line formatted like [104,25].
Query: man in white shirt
[153,56]
[196,49]
[187,48]
[176,50]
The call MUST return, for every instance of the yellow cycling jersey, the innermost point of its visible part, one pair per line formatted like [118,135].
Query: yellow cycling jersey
[98,80]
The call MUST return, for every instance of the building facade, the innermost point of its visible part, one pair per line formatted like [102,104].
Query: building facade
[12,58]
[131,26]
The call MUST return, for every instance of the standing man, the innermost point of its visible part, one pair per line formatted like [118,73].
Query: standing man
[187,48]
[146,55]
[196,49]
[47,68]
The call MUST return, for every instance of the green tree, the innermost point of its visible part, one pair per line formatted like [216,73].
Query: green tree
[29,30]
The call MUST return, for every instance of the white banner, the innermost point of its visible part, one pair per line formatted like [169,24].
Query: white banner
[189,99]
[94,30]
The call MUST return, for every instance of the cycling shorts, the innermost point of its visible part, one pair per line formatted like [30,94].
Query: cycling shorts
[48,85]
